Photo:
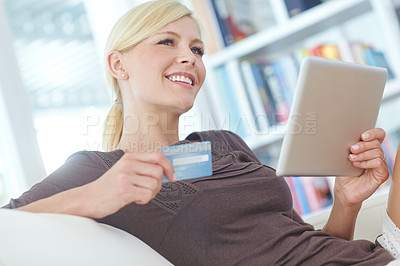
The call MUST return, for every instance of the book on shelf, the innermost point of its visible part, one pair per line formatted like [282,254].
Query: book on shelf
[298,56]
[204,11]
[328,50]
[346,51]
[286,72]
[390,146]
[282,106]
[239,29]
[221,12]
[295,7]
[258,97]
[229,21]
[357,50]
[377,58]
[299,203]
[232,118]
[265,93]
[270,86]
[247,118]
[309,194]
[270,83]
[249,17]
[367,54]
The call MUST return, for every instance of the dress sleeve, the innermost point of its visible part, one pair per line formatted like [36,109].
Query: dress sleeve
[79,169]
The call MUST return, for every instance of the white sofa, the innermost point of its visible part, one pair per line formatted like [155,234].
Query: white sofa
[55,239]
[369,221]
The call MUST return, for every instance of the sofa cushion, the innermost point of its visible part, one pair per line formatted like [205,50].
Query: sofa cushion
[58,239]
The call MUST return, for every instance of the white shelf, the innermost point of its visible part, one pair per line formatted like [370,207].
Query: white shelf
[313,21]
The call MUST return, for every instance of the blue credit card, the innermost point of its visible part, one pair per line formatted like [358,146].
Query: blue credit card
[190,160]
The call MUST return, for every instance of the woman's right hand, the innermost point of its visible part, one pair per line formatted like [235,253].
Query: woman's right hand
[136,177]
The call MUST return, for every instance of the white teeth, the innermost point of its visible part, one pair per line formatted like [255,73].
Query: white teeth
[181,78]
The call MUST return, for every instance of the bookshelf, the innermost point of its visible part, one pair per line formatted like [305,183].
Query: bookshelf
[361,31]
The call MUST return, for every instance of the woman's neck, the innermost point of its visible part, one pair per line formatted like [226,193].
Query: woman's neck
[148,132]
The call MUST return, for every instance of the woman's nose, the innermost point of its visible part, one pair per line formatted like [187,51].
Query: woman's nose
[187,57]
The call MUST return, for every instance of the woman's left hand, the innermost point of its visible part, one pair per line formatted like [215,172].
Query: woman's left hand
[351,191]
[366,154]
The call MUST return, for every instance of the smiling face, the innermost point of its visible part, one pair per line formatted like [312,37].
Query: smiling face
[166,70]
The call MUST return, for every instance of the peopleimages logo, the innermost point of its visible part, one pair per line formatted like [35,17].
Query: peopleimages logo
[305,124]
[146,122]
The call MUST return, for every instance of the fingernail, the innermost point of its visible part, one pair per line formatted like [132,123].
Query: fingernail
[357,162]
[353,156]
[355,147]
[174,177]
[365,136]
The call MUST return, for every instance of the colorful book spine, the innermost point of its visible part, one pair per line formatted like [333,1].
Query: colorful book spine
[254,92]
[297,204]
[265,92]
[296,7]
[309,194]
[330,51]
[282,77]
[204,11]
[281,105]
[388,149]
[313,199]
[247,118]
[377,58]
[222,15]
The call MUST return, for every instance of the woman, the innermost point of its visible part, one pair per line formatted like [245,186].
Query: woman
[243,213]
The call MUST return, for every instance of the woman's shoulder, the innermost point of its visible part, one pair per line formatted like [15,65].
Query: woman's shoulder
[224,138]
[95,159]
[215,135]
[223,141]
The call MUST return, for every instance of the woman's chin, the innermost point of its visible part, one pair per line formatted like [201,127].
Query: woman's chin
[185,106]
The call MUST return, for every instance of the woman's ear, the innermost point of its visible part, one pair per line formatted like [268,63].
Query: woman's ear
[114,61]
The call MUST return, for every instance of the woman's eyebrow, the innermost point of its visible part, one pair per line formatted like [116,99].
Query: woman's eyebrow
[196,40]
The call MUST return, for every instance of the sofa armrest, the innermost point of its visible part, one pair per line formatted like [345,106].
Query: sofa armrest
[369,220]
[57,239]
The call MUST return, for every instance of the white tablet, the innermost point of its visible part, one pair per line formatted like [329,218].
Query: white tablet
[333,104]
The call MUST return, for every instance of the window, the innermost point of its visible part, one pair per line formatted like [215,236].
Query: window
[62,72]
[3,189]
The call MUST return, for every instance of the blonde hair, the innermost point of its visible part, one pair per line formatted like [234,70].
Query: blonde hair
[135,26]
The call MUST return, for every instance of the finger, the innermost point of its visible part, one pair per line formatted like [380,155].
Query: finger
[147,169]
[367,155]
[147,182]
[376,133]
[376,163]
[157,157]
[364,146]
[163,161]
[142,195]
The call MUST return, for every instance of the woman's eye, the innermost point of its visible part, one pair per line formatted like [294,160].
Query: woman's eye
[198,50]
[166,42]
